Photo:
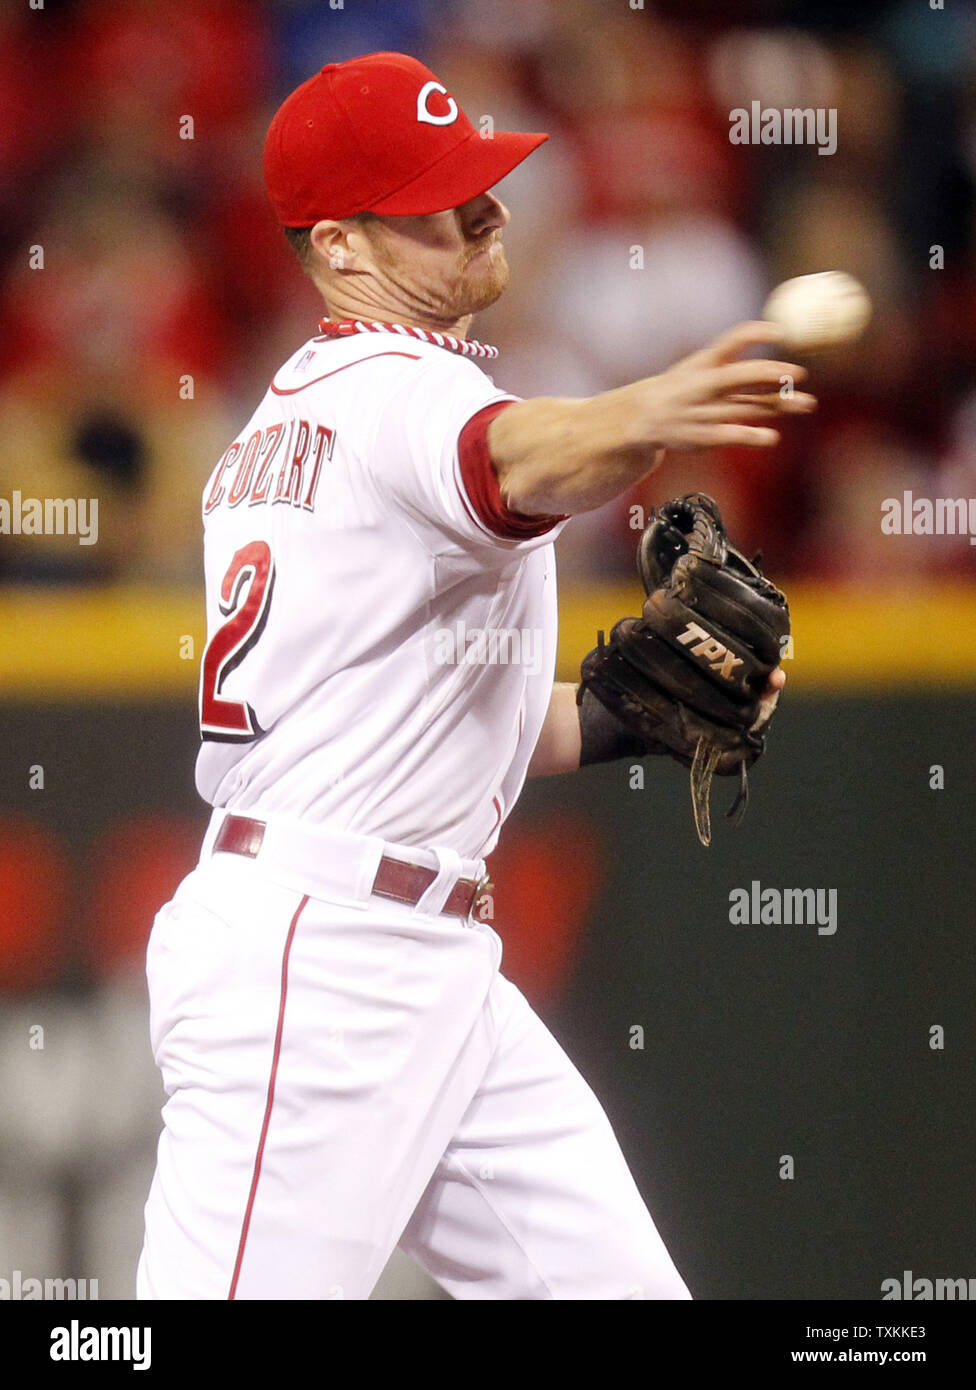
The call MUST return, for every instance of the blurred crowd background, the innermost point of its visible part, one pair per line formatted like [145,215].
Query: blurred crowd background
[162,259]
[168,297]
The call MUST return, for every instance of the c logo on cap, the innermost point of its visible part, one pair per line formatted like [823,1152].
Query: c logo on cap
[422,112]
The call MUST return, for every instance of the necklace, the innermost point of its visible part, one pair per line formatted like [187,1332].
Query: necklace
[468,347]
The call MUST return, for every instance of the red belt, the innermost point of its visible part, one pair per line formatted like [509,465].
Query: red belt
[396,879]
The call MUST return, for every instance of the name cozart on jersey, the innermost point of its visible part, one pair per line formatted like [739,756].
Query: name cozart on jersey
[381,628]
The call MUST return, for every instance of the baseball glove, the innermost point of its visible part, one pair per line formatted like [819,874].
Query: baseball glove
[689,676]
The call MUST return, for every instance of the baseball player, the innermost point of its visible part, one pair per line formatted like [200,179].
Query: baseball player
[347,1069]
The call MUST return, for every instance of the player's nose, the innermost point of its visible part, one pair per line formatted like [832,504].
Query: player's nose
[486,213]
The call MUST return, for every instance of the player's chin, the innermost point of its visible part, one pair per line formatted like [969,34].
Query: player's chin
[484,282]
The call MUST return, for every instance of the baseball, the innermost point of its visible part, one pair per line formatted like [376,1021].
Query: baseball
[820,311]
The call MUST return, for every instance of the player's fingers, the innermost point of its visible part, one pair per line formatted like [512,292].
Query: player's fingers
[777,679]
[736,413]
[767,704]
[758,371]
[734,436]
[730,345]
[796,403]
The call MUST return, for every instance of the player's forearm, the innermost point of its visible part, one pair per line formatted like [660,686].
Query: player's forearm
[554,457]
[558,748]
[558,456]
[577,731]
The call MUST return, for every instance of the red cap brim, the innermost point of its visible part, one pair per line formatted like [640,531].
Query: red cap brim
[469,169]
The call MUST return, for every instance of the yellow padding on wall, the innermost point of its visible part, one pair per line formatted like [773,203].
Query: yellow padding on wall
[100,642]
[843,638]
[146,642]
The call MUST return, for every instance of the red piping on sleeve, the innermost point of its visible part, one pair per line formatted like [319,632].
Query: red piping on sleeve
[481,483]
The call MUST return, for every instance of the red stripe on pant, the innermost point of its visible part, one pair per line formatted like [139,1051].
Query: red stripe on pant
[271,1093]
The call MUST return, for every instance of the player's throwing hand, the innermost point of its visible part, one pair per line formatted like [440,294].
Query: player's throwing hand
[713,398]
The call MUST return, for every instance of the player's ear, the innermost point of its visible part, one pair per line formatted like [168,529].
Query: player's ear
[337,244]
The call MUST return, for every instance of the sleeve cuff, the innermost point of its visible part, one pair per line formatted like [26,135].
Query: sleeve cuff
[480,491]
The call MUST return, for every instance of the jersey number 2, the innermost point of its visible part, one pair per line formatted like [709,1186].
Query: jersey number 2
[251,574]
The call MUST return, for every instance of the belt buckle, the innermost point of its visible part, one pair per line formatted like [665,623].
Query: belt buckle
[482,892]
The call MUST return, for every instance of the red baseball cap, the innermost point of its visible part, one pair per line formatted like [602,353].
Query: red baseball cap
[380,134]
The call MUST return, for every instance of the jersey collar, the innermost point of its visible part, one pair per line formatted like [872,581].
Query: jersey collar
[468,347]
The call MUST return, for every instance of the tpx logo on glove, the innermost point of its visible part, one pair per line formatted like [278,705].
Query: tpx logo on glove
[718,656]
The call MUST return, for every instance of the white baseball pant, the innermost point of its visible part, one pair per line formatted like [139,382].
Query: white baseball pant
[346,1074]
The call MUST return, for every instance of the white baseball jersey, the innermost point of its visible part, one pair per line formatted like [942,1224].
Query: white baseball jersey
[381,629]
[344,1069]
